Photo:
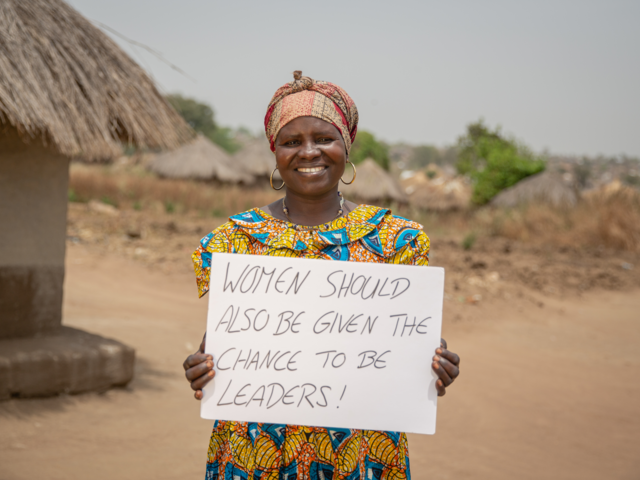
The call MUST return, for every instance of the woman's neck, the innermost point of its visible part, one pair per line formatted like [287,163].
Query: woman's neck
[309,211]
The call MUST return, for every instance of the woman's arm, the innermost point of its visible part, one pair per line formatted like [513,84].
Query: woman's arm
[198,368]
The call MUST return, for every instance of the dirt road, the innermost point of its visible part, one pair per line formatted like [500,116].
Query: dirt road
[548,391]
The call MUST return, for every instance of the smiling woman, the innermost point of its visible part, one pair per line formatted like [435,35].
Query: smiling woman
[311,126]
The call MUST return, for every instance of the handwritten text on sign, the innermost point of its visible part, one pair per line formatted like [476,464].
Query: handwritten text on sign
[322,343]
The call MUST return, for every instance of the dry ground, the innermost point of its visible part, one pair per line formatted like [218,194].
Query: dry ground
[549,340]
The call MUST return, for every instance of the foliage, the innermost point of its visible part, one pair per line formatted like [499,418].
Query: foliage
[633,180]
[169,206]
[469,240]
[367,146]
[72,196]
[493,162]
[424,155]
[202,119]
[107,200]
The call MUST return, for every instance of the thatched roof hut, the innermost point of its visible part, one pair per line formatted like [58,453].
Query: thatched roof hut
[441,193]
[66,90]
[67,84]
[256,158]
[546,187]
[199,160]
[373,184]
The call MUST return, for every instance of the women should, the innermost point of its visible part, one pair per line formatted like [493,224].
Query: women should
[311,126]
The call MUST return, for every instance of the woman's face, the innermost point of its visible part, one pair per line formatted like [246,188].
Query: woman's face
[311,156]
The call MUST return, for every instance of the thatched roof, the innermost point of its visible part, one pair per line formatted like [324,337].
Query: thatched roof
[199,160]
[373,184]
[257,158]
[545,187]
[441,193]
[65,82]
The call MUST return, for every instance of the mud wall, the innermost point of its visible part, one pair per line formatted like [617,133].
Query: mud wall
[33,212]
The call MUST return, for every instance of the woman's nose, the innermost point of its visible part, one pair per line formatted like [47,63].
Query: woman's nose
[309,150]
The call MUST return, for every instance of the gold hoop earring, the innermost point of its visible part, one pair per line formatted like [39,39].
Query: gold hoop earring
[271,180]
[354,174]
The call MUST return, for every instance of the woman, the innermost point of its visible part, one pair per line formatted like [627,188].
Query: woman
[311,126]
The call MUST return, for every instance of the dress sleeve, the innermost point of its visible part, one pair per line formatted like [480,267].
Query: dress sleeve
[218,241]
[415,252]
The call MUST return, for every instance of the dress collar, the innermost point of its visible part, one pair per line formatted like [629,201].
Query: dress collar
[276,233]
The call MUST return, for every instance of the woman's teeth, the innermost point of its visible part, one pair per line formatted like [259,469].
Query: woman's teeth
[311,170]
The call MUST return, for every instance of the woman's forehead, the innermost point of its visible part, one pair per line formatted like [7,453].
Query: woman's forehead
[308,124]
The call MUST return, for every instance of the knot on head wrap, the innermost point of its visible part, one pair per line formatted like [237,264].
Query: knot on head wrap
[306,97]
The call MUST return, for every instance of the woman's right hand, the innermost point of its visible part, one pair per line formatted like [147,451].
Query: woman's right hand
[198,368]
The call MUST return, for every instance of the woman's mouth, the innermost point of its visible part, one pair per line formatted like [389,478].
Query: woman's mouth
[310,169]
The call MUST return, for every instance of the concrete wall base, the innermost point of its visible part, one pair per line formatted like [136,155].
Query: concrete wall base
[72,361]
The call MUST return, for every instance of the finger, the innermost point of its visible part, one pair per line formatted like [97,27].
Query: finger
[443,343]
[442,373]
[196,359]
[440,388]
[449,367]
[199,370]
[198,394]
[452,357]
[200,383]
[202,344]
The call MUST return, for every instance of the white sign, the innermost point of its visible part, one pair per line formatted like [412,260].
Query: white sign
[323,343]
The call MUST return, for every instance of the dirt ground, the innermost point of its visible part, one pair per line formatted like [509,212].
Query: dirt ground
[550,382]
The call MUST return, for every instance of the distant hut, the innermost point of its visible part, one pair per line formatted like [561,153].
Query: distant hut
[199,160]
[546,187]
[440,193]
[66,90]
[257,159]
[373,184]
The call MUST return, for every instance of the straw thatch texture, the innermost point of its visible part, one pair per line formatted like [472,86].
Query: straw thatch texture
[612,189]
[199,160]
[373,184]
[545,187]
[440,194]
[64,81]
[256,158]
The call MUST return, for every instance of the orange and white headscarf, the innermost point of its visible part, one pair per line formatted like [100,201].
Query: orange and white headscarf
[305,97]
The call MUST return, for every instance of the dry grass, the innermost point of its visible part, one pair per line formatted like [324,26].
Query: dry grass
[608,220]
[143,191]
[611,220]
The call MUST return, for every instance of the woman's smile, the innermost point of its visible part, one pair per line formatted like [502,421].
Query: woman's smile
[312,170]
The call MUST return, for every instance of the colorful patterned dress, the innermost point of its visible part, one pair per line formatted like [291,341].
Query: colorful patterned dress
[261,451]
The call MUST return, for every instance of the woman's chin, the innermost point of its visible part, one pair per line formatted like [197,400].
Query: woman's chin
[311,188]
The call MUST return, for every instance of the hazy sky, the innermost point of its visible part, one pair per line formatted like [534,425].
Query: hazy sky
[562,75]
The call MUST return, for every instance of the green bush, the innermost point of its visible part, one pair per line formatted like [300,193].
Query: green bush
[72,196]
[493,162]
[108,201]
[367,146]
[469,240]
[201,118]
[169,206]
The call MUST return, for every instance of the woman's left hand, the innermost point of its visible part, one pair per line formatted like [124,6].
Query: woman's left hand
[446,364]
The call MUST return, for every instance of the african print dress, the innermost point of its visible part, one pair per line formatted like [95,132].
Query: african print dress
[253,451]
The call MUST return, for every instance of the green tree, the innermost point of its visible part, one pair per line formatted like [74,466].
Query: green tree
[493,162]
[423,155]
[366,146]
[201,118]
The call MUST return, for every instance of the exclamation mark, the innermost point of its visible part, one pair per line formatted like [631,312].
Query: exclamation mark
[343,390]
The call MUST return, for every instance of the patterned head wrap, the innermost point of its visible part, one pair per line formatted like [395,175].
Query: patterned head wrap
[306,97]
